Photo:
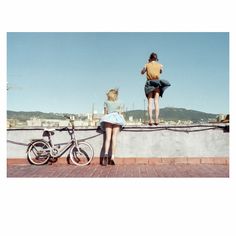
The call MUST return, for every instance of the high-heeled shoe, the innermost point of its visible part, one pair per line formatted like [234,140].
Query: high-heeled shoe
[111,162]
[105,160]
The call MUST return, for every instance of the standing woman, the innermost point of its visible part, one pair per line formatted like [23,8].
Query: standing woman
[111,123]
[154,86]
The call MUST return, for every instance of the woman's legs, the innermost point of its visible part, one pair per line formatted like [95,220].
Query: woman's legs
[111,135]
[150,107]
[154,94]
[156,102]
[108,129]
[115,131]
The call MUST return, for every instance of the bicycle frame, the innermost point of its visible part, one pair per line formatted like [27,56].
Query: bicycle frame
[60,152]
[55,152]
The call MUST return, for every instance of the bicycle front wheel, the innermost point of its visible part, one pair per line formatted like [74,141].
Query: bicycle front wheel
[38,153]
[81,154]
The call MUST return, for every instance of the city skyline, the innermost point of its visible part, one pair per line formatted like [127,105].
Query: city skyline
[71,72]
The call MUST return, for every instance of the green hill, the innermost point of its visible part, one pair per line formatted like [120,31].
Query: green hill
[168,113]
[26,115]
[174,114]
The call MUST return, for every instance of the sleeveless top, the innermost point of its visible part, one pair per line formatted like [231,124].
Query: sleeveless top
[153,70]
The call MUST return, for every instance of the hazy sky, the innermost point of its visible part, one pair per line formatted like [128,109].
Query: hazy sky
[68,72]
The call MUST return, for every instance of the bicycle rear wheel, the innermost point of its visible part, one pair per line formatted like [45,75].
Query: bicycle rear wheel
[82,154]
[38,152]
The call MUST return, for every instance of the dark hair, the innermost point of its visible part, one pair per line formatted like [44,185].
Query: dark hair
[153,57]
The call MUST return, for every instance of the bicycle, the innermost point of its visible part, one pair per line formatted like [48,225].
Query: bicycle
[40,151]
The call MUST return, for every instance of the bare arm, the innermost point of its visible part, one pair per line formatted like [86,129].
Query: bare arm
[143,70]
[161,68]
[105,110]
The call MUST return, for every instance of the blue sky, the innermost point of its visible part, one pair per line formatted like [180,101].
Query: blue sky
[68,72]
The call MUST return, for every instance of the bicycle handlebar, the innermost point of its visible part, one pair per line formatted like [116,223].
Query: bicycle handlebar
[66,116]
[71,119]
[62,129]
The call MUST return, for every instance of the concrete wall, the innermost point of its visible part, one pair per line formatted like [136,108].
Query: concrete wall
[164,141]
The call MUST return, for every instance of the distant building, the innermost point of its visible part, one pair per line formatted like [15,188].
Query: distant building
[131,119]
[220,117]
[33,122]
[11,123]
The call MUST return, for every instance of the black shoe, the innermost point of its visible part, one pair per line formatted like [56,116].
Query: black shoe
[111,162]
[105,160]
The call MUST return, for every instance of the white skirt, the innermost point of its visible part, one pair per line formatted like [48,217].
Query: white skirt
[113,118]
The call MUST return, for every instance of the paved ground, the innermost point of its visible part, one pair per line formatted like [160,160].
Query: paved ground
[132,170]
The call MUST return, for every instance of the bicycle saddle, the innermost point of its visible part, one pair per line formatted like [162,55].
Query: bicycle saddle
[48,132]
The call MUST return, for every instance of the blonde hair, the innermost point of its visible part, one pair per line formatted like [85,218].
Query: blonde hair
[112,95]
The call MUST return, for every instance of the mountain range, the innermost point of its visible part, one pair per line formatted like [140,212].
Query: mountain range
[167,113]
[174,114]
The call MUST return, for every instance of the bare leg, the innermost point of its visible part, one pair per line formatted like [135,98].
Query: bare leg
[108,128]
[115,131]
[150,107]
[156,102]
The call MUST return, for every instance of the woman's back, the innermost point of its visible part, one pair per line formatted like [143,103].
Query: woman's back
[153,70]
[113,106]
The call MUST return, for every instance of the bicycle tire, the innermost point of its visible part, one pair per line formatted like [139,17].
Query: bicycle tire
[82,154]
[38,153]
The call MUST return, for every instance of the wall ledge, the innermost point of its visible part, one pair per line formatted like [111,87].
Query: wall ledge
[165,143]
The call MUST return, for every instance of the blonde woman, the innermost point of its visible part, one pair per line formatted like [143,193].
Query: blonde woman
[111,123]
